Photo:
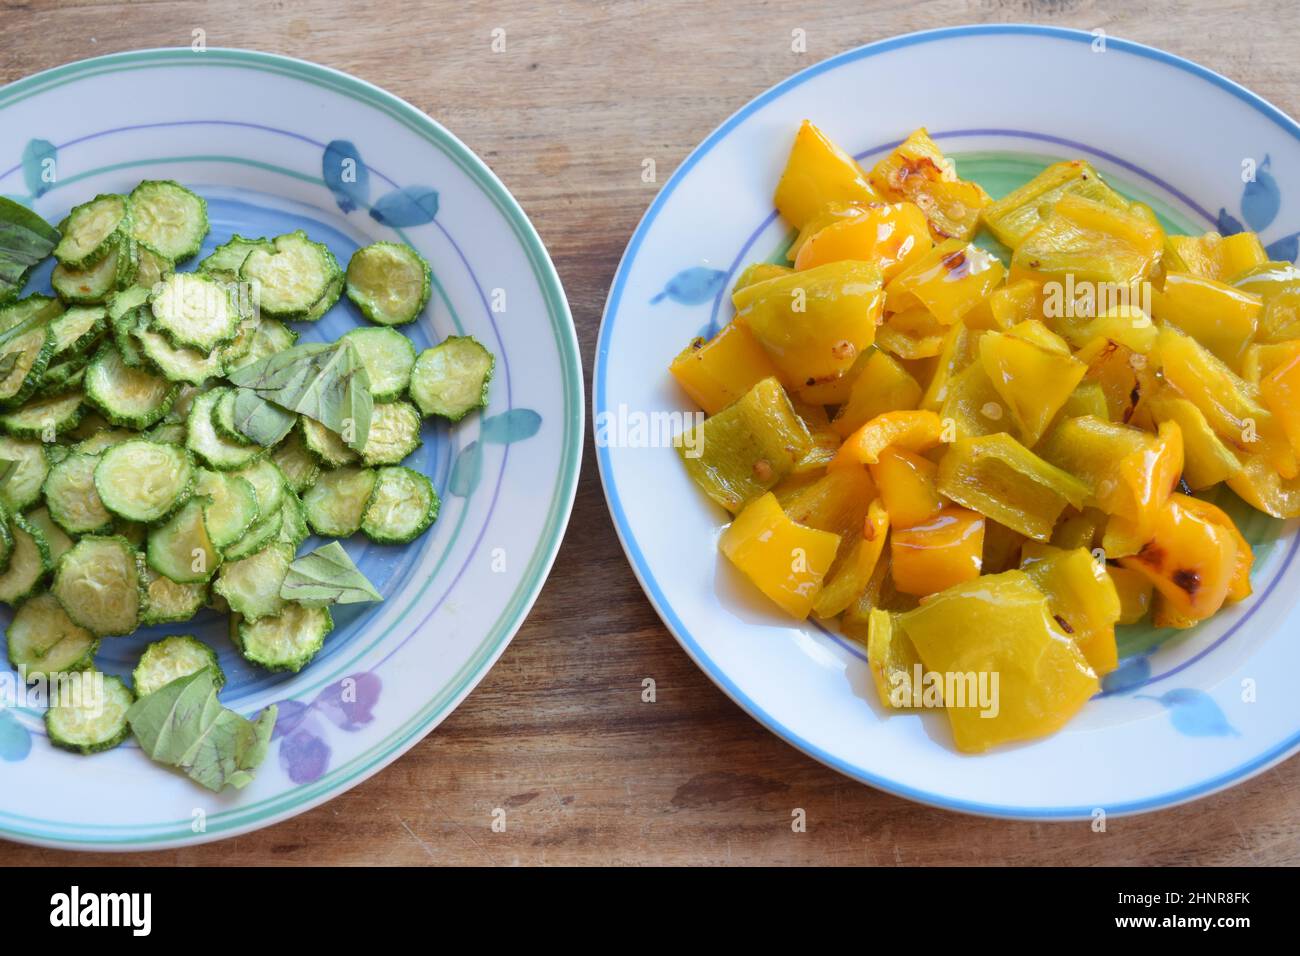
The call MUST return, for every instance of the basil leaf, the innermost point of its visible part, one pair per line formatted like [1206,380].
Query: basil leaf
[25,240]
[183,725]
[327,576]
[258,419]
[324,381]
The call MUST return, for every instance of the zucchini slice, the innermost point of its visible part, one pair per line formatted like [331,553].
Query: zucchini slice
[143,480]
[96,282]
[131,397]
[289,640]
[93,230]
[6,540]
[451,379]
[167,433]
[151,267]
[389,282]
[176,363]
[227,259]
[325,302]
[126,313]
[326,445]
[296,463]
[166,602]
[43,640]
[257,537]
[102,439]
[181,549]
[239,346]
[194,311]
[136,534]
[267,483]
[44,418]
[394,433]
[401,507]
[22,489]
[168,218]
[56,539]
[223,418]
[388,357]
[270,337]
[202,438]
[336,503]
[251,585]
[28,563]
[92,721]
[72,497]
[171,659]
[293,522]
[77,329]
[30,312]
[294,278]
[230,508]
[23,360]
[99,584]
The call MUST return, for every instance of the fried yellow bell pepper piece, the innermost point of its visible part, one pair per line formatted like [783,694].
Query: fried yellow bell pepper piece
[1242,251]
[1003,480]
[1013,303]
[908,484]
[1128,325]
[1002,548]
[828,215]
[825,442]
[814,324]
[1121,373]
[1019,212]
[1034,382]
[1000,627]
[1082,597]
[911,335]
[1206,459]
[817,174]
[973,405]
[783,559]
[1088,398]
[717,372]
[1221,318]
[960,347]
[1280,320]
[745,449]
[1280,389]
[890,235]
[913,429]
[945,549]
[836,391]
[855,564]
[1196,255]
[1190,559]
[1134,591]
[1269,279]
[1079,529]
[1089,242]
[948,281]
[892,659]
[1239,586]
[918,172]
[882,386]
[759,272]
[1260,486]
[836,502]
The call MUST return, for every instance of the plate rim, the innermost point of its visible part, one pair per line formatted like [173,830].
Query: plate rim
[631,550]
[573,387]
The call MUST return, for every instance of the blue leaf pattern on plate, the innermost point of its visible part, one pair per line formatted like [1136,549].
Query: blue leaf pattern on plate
[467,470]
[1228,224]
[512,426]
[1261,198]
[408,206]
[692,286]
[348,704]
[36,157]
[15,739]
[1284,249]
[304,756]
[1194,713]
[345,174]
[1131,673]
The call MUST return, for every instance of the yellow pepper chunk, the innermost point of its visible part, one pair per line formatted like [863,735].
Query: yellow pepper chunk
[718,372]
[1134,591]
[759,272]
[1019,212]
[836,502]
[882,386]
[784,560]
[908,485]
[1206,459]
[914,430]
[1083,599]
[1239,585]
[1033,381]
[817,174]
[892,659]
[859,555]
[918,171]
[959,349]
[1261,487]
[814,324]
[942,551]
[1090,242]
[1001,628]
[1242,251]
[948,281]
[1280,389]
[891,236]
[1221,318]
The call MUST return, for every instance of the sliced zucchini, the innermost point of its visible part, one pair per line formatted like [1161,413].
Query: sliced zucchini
[171,659]
[296,463]
[23,486]
[202,438]
[93,721]
[143,480]
[388,357]
[23,360]
[166,602]
[223,418]
[227,258]
[394,433]
[174,363]
[29,312]
[389,282]
[77,329]
[136,534]
[251,585]
[28,564]
[180,410]
[99,584]
[230,508]
[6,540]
[168,218]
[181,549]
[96,282]
[104,438]
[337,502]
[43,640]
[451,379]
[60,379]
[152,266]
[56,539]
[44,418]
[267,482]
[326,302]
[326,445]
[294,278]
[131,397]
[72,497]
[194,311]
[128,311]
[270,337]
[168,433]
[293,522]
[93,230]
[257,537]
[288,641]
[400,508]
[242,343]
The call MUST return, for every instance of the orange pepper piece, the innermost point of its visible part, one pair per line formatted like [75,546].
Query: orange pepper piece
[892,236]
[932,556]
[908,484]
[910,429]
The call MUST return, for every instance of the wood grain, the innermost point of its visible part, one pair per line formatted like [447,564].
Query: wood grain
[557,734]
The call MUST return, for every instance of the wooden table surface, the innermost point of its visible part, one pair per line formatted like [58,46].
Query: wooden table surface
[557,732]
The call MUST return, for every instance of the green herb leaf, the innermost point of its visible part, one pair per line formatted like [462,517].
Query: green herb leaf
[25,240]
[324,381]
[183,725]
[261,421]
[327,576]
